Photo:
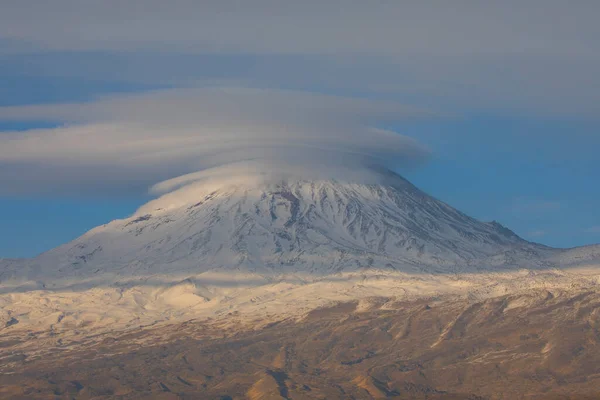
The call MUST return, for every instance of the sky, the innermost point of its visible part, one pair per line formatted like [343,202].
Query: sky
[492,108]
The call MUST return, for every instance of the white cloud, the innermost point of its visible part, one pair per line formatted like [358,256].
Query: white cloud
[126,142]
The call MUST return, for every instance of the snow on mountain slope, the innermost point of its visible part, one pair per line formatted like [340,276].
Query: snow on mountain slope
[288,227]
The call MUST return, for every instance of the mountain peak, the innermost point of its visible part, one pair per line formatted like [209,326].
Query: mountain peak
[285,223]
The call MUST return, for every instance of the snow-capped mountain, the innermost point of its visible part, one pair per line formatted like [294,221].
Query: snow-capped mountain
[291,226]
[283,226]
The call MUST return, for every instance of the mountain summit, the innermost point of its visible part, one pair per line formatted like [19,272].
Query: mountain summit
[293,225]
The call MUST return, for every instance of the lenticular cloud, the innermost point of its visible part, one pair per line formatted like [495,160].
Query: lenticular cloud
[140,140]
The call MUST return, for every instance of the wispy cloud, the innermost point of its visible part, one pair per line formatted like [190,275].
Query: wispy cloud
[125,142]
[593,229]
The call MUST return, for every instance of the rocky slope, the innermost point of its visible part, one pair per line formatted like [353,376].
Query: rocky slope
[500,348]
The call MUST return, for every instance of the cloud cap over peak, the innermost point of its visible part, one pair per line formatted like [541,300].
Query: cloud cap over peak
[138,140]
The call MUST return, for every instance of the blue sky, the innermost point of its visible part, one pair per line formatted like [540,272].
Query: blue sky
[507,109]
